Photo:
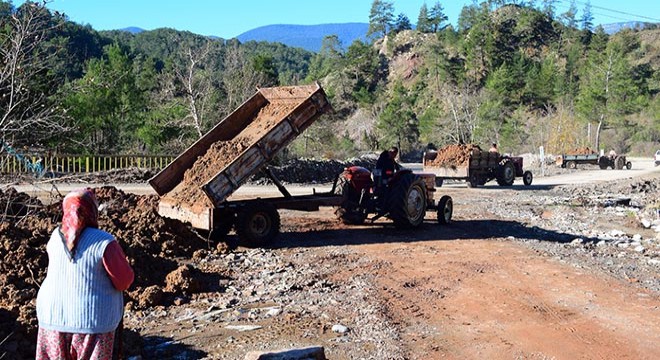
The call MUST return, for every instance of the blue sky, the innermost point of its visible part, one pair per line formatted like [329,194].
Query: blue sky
[230,18]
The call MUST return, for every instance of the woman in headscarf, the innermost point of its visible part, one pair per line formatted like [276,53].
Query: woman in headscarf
[80,303]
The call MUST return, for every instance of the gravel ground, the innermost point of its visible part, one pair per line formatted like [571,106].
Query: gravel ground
[614,227]
[295,296]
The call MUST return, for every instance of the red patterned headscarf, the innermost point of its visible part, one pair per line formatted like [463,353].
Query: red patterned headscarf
[80,211]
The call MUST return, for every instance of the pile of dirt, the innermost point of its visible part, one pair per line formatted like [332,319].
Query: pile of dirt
[293,171]
[189,191]
[310,171]
[152,244]
[453,155]
[23,262]
[13,203]
[126,176]
[582,151]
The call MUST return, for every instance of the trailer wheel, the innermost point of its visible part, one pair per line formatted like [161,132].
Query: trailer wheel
[406,201]
[603,162]
[257,224]
[628,165]
[445,209]
[223,224]
[473,181]
[506,173]
[350,216]
[571,165]
[527,178]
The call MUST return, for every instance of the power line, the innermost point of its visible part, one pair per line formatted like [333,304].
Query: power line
[614,11]
[602,15]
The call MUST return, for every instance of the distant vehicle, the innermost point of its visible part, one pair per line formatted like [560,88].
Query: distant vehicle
[603,161]
[475,166]
[657,158]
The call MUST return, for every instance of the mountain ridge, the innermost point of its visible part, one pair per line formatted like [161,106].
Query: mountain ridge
[310,37]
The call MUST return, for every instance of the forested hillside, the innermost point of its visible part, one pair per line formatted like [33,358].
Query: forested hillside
[519,76]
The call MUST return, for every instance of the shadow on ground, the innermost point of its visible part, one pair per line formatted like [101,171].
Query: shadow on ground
[380,233]
[157,347]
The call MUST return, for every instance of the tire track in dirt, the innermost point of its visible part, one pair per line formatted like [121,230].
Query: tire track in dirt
[495,299]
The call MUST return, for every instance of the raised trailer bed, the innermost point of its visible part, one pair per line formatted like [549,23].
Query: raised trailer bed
[194,188]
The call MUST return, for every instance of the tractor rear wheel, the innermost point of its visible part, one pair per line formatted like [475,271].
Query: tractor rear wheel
[619,162]
[473,181]
[406,201]
[506,173]
[257,224]
[445,209]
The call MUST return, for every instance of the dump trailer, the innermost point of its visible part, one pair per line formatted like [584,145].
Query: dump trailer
[476,167]
[195,187]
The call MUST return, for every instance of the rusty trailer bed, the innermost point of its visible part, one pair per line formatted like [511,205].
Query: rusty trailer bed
[307,103]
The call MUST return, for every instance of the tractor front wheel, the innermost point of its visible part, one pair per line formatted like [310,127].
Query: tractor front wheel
[527,178]
[445,209]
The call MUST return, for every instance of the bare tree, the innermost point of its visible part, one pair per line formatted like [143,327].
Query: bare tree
[187,91]
[27,113]
[196,81]
[239,78]
[462,105]
[606,70]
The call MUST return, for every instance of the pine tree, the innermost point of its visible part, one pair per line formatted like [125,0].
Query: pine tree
[423,19]
[437,17]
[106,103]
[381,18]
[402,23]
[327,60]
[569,17]
[398,122]
[549,7]
[587,19]
[608,91]
[479,45]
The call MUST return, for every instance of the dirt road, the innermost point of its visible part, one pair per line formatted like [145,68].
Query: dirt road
[640,167]
[492,285]
[488,299]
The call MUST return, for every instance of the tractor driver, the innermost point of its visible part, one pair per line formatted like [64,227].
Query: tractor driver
[612,154]
[385,168]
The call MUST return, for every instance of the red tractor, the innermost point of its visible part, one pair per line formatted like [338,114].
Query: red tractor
[405,199]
